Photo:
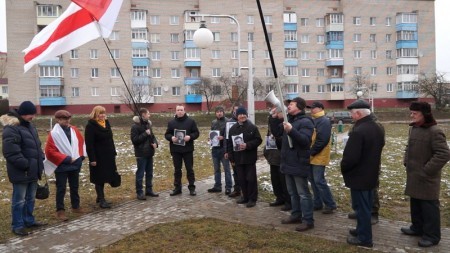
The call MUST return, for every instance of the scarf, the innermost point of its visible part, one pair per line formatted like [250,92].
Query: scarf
[101,122]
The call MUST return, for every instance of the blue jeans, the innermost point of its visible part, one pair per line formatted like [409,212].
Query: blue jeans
[301,198]
[362,204]
[22,204]
[144,165]
[217,158]
[322,193]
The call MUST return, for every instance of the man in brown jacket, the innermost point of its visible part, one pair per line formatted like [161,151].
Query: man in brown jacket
[426,153]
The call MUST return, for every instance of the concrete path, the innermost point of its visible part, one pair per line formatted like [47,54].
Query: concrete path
[102,228]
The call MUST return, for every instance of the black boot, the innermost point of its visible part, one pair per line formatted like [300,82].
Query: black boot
[104,204]
[175,191]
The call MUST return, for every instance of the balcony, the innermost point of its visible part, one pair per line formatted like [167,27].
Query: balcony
[193,98]
[290,26]
[52,81]
[407,94]
[334,62]
[291,95]
[406,27]
[141,80]
[141,62]
[335,80]
[192,63]
[335,96]
[52,101]
[191,80]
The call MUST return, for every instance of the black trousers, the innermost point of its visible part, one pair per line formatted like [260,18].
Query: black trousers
[279,184]
[248,181]
[61,184]
[188,159]
[426,218]
[100,190]
[237,187]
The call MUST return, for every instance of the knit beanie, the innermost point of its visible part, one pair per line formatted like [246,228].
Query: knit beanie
[241,110]
[26,108]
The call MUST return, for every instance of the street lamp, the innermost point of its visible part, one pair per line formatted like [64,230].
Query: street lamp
[203,38]
[360,93]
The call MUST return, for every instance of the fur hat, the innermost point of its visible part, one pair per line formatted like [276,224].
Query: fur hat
[423,107]
[241,110]
[62,114]
[26,108]
[359,104]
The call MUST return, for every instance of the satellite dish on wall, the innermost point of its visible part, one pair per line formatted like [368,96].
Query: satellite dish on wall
[165,88]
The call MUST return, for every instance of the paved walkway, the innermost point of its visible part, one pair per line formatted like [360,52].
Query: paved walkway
[105,227]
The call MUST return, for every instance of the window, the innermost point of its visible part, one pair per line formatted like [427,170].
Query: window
[75,91]
[175,55]
[388,37]
[176,91]
[157,91]
[290,35]
[215,20]
[139,34]
[305,38]
[266,54]
[94,91]
[357,37]
[194,72]
[217,90]
[93,54]
[175,73]
[140,70]
[268,19]
[216,72]
[189,34]
[357,20]
[290,53]
[156,72]
[372,37]
[138,15]
[234,36]
[269,36]
[140,53]
[357,71]
[114,35]
[114,73]
[250,19]
[74,72]
[373,71]
[154,20]
[321,88]
[373,54]
[234,72]
[47,11]
[292,88]
[94,72]
[192,53]
[305,88]
[250,37]
[407,69]
[374,87]
[304,21]
[305,72]
[320,22]
[406,35]
[115,91]
[215,54]
[174,38]
[407,52]
[155,38]
[388,54]
[305,55]
[334,53]
[357,54]
[389,87]
[320,39]
[321,72]
[174,20]
[155,55]
[320,55]
[50,90]
[269,72]
[289,17]
[216,36]
[291,71]
[115,54]
[389,71]
[406,18]
[234,54]
[334,72]
[336,87]
[388,21]
[74,54]
[232,20]
[373,21]
[336,18]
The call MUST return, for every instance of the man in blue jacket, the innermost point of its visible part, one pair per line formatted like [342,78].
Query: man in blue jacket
[24,163]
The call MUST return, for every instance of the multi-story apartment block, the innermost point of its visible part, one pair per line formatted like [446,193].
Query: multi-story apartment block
[323,50]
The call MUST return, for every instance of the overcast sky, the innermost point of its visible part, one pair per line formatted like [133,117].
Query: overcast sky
[442,34]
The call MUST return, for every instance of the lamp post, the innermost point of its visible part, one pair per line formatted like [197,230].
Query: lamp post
[360,93]
[203,38]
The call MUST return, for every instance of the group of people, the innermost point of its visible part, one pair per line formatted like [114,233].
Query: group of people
[300,158]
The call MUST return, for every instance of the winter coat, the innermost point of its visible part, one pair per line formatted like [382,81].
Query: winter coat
[321,148]
[219,124]
[182,123]
[101,149]
[21,149]
[142,142]
[295,160]
[273,156]
[360,164]
[251,137]
[426,153]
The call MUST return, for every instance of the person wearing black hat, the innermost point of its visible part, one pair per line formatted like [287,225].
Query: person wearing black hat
[426,154]
[320,158]
[244,159]
[360,168]
[24,165]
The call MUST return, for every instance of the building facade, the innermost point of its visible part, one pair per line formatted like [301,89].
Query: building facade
[324,50]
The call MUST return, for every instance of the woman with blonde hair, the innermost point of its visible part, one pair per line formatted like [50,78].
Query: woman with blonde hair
[101,152]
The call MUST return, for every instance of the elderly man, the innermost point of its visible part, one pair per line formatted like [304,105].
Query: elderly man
[360,168]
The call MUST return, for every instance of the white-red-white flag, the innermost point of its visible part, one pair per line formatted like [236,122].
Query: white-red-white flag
[83,21]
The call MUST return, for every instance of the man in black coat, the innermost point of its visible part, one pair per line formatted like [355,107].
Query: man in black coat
[360,167]
[184,152]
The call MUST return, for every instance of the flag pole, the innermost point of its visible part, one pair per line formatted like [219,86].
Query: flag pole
[269,48]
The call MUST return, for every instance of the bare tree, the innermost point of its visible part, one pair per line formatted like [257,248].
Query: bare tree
[208,89]
[434,85]
[235,88]
[360,83]
[139,94]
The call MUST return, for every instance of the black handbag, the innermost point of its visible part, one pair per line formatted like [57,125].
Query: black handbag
[43,191]
[117,180]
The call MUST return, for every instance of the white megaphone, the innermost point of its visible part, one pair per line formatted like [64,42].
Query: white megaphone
[271,98]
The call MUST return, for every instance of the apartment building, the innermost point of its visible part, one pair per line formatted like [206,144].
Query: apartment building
[324,50]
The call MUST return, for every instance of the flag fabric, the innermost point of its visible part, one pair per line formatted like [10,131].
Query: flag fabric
[83,21]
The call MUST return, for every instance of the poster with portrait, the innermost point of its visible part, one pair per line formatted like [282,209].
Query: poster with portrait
[214,138]
[179,134]
[237,141]
[227,128]
[270,142]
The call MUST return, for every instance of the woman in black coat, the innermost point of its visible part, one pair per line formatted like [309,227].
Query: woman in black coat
[101,152]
